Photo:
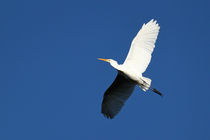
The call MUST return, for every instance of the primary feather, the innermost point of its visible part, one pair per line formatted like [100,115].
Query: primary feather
[116,95]
[142,46]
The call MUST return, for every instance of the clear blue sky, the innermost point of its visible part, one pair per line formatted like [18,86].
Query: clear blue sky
[52,84]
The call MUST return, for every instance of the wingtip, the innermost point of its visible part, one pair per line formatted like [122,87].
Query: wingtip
[155,21]
[152,22]
[108,116]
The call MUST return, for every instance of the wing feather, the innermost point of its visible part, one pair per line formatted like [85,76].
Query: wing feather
[116,95]
[142,46]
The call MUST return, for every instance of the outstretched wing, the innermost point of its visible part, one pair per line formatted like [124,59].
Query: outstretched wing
[116,95]
[142,46]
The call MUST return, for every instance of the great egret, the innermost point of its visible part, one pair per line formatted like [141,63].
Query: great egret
[130,72]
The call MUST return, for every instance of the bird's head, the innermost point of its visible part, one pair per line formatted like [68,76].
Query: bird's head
[112,62]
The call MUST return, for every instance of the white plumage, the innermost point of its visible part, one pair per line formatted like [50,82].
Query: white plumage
[130,72]
[142,46]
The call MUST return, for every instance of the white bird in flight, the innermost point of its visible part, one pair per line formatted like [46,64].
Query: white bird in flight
[130,72]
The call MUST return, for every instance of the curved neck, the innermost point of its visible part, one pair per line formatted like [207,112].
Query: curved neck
[115,65]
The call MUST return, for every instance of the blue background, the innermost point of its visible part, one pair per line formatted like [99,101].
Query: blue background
[52,84]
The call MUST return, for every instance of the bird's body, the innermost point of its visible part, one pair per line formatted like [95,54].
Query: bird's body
[127,71]
[130,72]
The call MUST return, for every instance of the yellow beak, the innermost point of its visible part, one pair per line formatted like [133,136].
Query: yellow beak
[106,60]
